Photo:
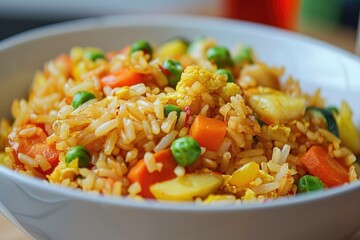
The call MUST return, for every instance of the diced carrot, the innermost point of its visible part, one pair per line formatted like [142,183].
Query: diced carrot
[209,132]
[320,164]
[110,55]
[122,78]
[187,116]
[125,50]
[63,62]
[35,145]
[68,100]
[139,173]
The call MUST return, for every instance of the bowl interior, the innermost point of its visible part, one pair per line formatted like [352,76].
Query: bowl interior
[315,64]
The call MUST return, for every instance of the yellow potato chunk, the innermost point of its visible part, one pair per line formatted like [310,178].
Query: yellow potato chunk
[188,187]
[172,49]
[277,108]
[349,135]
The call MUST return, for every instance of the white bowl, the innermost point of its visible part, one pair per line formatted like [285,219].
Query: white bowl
[50,212]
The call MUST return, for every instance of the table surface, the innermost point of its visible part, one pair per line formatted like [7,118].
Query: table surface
[345,38]
[8,230]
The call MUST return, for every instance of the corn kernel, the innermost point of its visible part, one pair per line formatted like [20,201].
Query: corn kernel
[123,93]
[245,174]
[5,160]
[74,163]
[219,198]
[80,69]
[76,54]
[249,195]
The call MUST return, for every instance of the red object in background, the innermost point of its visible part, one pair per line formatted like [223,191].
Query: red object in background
[279,13]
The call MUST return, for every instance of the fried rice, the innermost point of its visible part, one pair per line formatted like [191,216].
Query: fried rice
[270,127]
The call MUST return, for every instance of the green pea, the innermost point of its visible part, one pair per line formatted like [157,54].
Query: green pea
[309,183]
[93,54]
[219,55]
[173,70]
[170,108]
[245,55]
[142,45]
[185,150]
[80,98]
[230,76]
[81,153]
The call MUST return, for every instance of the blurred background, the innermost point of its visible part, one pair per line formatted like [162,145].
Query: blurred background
[334,21]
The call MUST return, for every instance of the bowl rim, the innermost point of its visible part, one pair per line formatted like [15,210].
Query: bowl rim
[128,20]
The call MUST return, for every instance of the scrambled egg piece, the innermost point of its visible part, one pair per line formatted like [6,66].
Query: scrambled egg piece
[231,89]
[249,195]
[191,74]
[266,177]
[199,85]
[220,199]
